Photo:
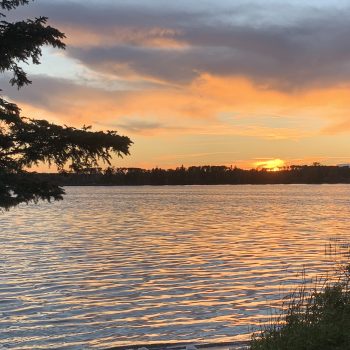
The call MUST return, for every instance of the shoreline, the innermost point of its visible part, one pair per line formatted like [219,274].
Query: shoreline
[235,345]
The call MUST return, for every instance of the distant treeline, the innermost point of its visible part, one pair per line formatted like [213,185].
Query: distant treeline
[202,175]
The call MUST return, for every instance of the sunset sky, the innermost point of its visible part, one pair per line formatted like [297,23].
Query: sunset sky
[197,82]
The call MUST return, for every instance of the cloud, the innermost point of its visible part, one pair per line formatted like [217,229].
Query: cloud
[278,45]
[265,78]
[139,125]
[143,127]
[337,127]
[208,106]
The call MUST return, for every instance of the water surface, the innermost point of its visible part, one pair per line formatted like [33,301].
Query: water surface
[122,265]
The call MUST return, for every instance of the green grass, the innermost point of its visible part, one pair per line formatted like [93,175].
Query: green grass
[316,318]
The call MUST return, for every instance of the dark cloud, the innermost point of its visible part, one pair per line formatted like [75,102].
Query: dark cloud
[168,65]
[104,15]
[45,92]
[66,98]
[140,126]
[286,58]
[285,47]
[137,126]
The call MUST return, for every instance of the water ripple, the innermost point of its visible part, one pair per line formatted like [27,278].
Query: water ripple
[113,266]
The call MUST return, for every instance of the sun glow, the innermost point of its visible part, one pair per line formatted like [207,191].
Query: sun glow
[270,164]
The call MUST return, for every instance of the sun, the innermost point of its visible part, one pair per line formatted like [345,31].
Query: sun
[270,164]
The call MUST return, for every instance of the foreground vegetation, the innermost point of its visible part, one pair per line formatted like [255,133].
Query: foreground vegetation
[313,319]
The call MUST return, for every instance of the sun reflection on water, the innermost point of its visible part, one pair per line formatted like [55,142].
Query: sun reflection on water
[113,266]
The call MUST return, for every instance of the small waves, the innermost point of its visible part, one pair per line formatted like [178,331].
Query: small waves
[117,266]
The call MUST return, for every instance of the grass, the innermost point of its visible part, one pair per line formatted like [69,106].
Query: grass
[316,318]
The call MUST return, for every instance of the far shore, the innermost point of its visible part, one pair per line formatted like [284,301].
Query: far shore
[200,175]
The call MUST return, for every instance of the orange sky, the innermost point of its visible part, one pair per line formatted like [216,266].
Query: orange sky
[194,85]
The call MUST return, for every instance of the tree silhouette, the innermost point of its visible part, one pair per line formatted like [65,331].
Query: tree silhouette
[26,142]
[202,175]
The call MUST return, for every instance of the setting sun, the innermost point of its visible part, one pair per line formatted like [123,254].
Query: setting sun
[270,165]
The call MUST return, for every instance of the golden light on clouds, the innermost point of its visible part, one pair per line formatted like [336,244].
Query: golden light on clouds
[234,118]
[191,79]
[200,103]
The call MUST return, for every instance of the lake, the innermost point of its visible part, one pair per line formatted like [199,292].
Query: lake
[111,266]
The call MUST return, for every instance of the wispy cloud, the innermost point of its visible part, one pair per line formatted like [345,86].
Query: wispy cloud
[197,109]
